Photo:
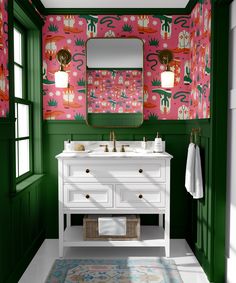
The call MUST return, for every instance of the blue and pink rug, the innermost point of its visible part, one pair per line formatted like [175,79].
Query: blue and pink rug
[146,270]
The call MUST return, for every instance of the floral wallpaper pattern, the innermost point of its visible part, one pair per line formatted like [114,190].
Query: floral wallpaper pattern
[200,56]
[112,91]
[4,85]
[178,33]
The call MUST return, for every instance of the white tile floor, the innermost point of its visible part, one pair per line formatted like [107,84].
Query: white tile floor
[190,270]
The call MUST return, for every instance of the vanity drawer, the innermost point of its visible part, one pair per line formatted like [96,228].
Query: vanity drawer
[140,195]
[88,195]
[95,170]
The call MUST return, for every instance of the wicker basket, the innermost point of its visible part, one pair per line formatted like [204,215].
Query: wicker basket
[90,229]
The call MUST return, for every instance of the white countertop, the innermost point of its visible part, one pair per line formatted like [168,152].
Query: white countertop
[93,150]
[98,154]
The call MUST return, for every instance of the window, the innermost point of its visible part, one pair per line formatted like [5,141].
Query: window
[23,106]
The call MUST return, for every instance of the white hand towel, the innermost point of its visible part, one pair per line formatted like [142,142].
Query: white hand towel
[189,174]
[112,226]
[198,187]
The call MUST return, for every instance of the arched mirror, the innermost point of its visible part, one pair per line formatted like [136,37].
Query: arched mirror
[114,82]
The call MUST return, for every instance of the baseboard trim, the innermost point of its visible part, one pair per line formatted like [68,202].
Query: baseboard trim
[204,262]
[26,258]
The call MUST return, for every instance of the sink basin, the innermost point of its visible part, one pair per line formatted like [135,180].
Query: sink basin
[129,153]
[113,154]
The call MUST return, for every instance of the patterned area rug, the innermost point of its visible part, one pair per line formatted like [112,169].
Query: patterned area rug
[146,270]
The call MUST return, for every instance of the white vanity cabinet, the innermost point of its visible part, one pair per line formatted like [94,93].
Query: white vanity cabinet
[137,184]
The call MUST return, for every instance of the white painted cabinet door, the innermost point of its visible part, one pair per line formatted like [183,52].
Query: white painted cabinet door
[88,195]
[92,171]
[140,195]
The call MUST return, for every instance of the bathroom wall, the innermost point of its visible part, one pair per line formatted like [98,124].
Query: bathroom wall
[4,86]
[203,225]
[187,36]
[200,58]
[21,213]
[157,31]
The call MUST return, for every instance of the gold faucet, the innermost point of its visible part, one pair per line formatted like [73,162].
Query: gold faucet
[113,138]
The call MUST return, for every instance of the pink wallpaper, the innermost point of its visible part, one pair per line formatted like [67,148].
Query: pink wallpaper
[4,86]
[114,91]
[199,106]
[157,31]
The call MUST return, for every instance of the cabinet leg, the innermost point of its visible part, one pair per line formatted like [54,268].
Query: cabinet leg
[68,220]
[160,220]
[167,248]
[61,232]
[167,237]
[61,249]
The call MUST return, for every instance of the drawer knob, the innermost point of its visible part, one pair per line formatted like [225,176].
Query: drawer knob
[140,170]
[140,196]
[87,196]
[87,170]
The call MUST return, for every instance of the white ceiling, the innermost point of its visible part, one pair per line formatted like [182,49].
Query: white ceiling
[115,3]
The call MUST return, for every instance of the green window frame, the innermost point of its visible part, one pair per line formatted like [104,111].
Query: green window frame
[26,20]
[23,106]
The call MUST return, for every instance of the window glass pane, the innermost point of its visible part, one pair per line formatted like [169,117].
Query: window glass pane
[18,81]
[23,156]
[16,121]
[17,173]
[17,47]
[23,120]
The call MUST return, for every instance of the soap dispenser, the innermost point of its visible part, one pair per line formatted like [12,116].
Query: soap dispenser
[158,144]
[144,143]
[67,145]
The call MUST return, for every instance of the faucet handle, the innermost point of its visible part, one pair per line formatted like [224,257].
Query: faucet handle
[123,147]
[106,147]
[112,136]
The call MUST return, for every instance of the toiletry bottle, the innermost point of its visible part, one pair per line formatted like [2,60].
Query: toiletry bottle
[144,144]
[68,145]
[158,144]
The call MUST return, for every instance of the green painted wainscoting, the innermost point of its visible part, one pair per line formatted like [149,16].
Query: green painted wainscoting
[190,219]
[21,218]
[55,133]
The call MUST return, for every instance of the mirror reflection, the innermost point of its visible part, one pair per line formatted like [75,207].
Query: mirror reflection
[114,82]
[115,91]
[114,53]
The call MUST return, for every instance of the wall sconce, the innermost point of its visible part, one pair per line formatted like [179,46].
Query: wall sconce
[167,77]
[61,76]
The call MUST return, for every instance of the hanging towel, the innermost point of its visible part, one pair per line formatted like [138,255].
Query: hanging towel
[198,187]
[112,226]
[190,169]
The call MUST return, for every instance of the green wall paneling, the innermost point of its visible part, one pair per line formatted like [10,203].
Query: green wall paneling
[218,146]
[52,147]
[175,134]
[210,227]
[4,207]
[21,215]
[27,229]
[108,120]
[197,227]
[200,235]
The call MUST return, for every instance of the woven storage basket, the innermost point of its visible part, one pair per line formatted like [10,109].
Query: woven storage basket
[90,229]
